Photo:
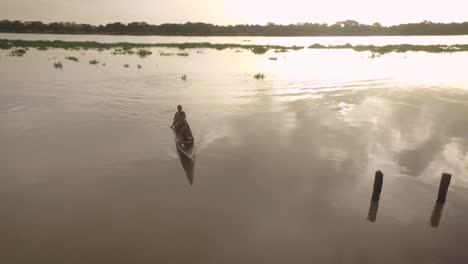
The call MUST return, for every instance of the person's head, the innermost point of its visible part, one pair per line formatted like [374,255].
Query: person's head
[179,108]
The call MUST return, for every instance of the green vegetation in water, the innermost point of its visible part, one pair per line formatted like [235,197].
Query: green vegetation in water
[259,50]
[183,54]
[72,58]
[126,48]
[143,53]
[58,65]
[94,62]
[401,48]
[126,65]
[273,58]
[139,66]
[259,76]
[17,53]
[42,48]
[162,53]
[280,50]
[118,52]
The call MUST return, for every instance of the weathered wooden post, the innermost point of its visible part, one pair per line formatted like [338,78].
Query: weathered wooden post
[378,182]
[373,208]
[443,187]
[436,214]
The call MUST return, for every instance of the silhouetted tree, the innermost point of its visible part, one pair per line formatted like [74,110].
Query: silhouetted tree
[340,28]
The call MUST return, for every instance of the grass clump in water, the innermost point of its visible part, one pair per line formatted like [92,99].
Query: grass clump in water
[94,62]
[280,50]
[143,53]
[183,54]
[118,52]
[139,66]
[126,65]
[162,53]
[72,58]
[259,50]
[17,52]
[273,58]
[58,65]
[259,76]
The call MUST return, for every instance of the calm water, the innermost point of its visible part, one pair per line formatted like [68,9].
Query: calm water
[284,166]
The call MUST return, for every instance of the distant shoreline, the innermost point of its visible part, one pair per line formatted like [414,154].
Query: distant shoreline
[348,28]
[217,36]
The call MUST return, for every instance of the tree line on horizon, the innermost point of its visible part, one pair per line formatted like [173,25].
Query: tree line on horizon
[342,28]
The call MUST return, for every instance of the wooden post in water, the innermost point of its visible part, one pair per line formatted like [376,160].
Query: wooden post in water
[378,182]
[443,187]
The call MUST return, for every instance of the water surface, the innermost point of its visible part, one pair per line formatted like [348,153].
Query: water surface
[284,166]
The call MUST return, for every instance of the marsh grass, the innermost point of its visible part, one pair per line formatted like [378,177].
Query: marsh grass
[273,58]
[58,65]
[259,76]
[17,52]
[126,65]
[162,53]
[139,66]
[259,50]
[94,62]
[183,54]
[42,48]
[72,58]
[127,48]
[401,48]
[143,53]
[280,50]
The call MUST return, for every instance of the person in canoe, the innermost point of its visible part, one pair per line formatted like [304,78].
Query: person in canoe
[181,126]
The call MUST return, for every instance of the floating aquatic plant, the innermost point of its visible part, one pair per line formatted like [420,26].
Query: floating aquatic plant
[162,53]
[259,50]
[143,53]
[280,50]
[183,54]
[273,58]
[139,66]
[72,58]
[58,65]
[17,52]
[126,65]
[94,62]
[259,76]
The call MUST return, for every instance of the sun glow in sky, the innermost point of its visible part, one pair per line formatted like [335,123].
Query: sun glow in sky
[235,11]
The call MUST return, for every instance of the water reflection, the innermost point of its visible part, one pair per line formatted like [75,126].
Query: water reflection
[436,214]
[188,164]
[373,208]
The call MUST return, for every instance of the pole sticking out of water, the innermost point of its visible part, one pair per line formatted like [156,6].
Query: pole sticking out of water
[378,182]
[443,187]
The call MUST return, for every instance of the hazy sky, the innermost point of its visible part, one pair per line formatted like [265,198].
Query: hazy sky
[235,11]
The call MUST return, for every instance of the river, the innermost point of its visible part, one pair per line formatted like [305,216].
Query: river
[284,165]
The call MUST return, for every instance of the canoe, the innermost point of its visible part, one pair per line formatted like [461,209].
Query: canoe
[185,148]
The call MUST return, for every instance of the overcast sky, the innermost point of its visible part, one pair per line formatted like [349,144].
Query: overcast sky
[235,11]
